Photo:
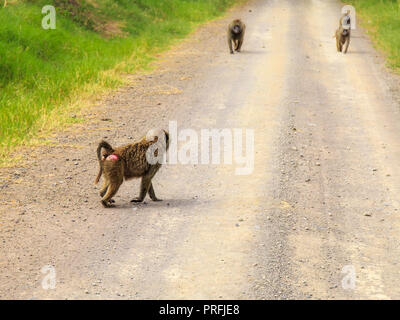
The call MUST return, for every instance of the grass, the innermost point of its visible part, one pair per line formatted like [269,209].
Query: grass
[44,73]
[382,20]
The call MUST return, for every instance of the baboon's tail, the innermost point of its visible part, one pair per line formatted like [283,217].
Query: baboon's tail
[109,149]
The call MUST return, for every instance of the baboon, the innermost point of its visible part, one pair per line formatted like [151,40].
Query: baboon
[343,33]
[236,31]
[131,161]
[342,38]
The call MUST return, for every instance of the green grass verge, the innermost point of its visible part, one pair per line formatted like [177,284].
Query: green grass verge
[382,20]
[43,71]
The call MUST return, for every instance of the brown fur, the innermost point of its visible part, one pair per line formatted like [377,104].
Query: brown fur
[343,35]
[103,151]
[236,37]
[131,163]
[342,39]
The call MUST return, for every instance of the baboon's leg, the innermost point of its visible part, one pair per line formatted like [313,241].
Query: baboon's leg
[104,189]
[338,44]
[239,46]
[230,45]
[144,188]
[146,183]
[111,191]
[346,44]
[152,193]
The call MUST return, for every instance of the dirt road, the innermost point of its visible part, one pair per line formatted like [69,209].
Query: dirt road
[322,198]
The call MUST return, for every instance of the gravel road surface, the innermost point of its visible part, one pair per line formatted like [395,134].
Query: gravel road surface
[319,210]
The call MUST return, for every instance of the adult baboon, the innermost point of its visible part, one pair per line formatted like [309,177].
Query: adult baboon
[236,30]
[131,161]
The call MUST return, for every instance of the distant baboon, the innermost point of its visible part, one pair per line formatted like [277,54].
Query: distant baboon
[140,159]
[236,31]
[342,38]
[343,33]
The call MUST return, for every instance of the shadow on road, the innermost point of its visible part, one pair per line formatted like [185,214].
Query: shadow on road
[253,52]
[167,204]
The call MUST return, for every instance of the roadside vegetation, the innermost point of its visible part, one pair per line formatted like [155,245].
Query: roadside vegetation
[382,20]
[46,74]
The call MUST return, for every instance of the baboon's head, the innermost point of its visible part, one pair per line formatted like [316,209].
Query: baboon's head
[236,29]
[345,32]
[158,135]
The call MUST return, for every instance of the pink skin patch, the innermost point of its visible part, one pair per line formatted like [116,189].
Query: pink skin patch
[112,157]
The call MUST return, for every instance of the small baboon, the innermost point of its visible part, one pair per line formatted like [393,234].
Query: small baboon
[342,39]
[343,33]
[131,161]
[236,31]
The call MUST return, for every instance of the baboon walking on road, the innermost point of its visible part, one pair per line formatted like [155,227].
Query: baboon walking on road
[343,33]
[342,39]
[131,161]
[236,31]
